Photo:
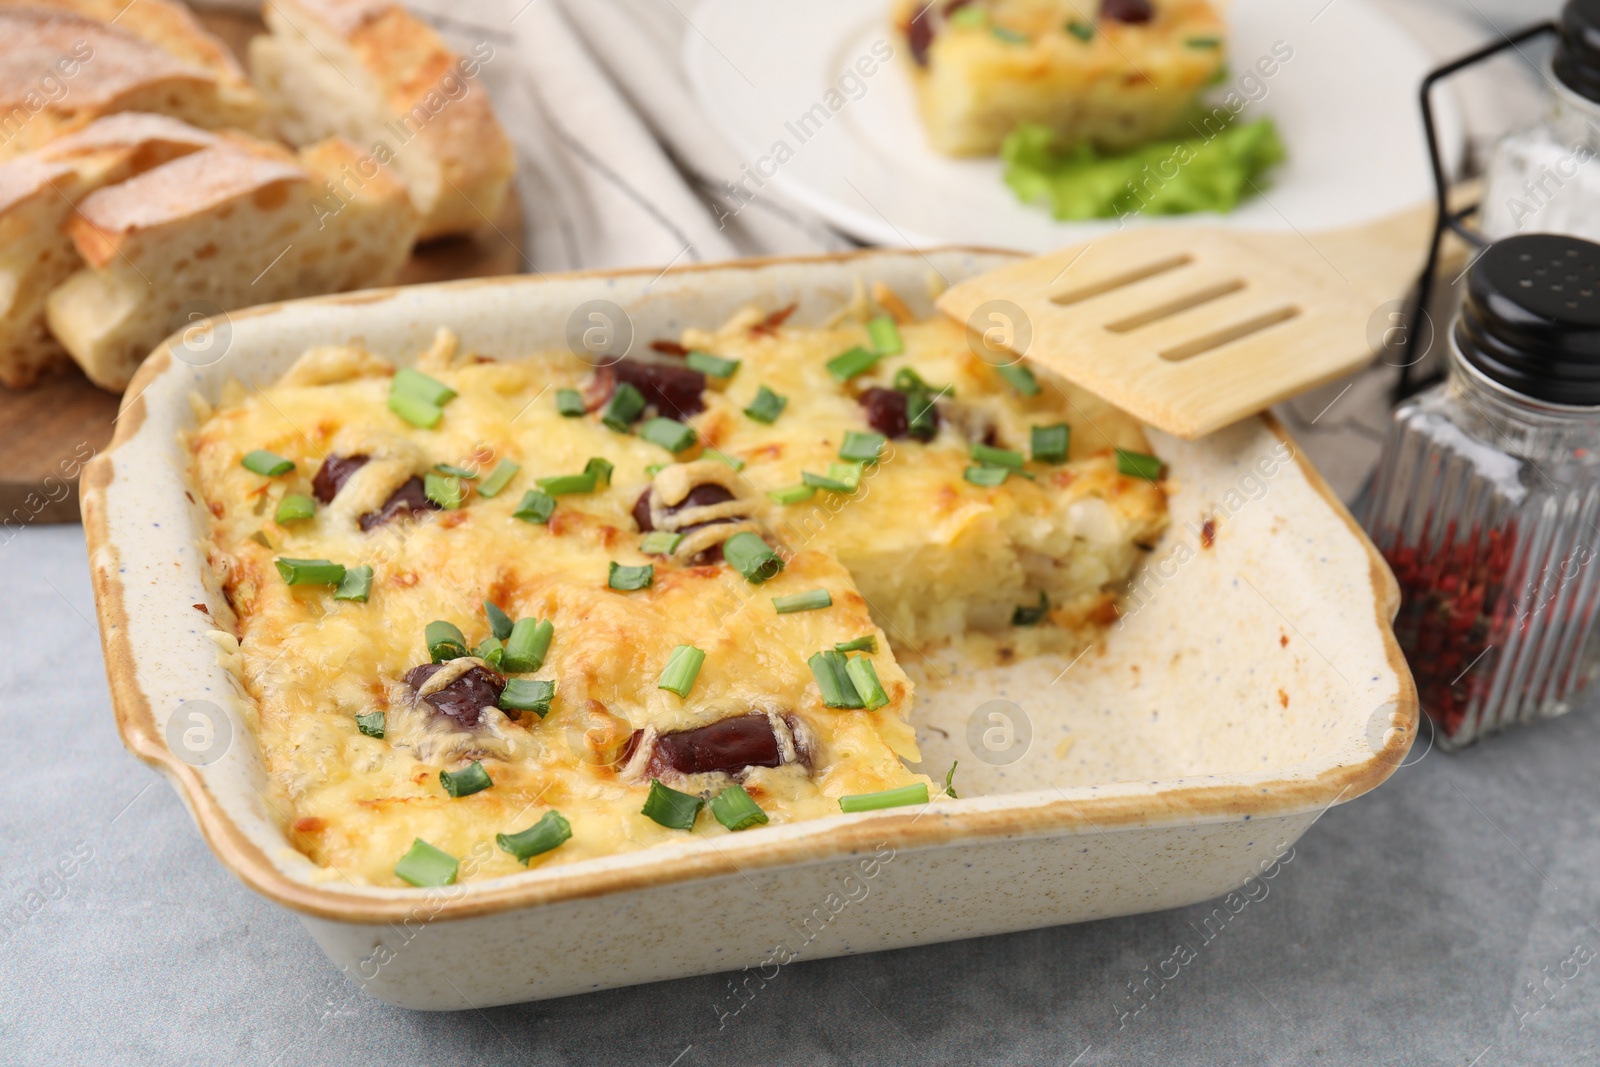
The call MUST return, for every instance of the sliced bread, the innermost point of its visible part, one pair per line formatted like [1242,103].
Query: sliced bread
[369,71]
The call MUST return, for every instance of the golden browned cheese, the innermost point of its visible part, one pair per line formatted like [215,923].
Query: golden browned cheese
[917,550]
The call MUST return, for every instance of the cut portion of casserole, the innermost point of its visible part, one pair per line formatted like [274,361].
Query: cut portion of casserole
[672,625]
[1125,76]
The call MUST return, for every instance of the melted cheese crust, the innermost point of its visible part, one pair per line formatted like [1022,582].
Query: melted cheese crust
[918,548]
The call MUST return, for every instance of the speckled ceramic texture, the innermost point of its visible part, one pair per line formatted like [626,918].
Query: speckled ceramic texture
[1254,683]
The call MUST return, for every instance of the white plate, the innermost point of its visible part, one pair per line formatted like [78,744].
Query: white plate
[1345,105]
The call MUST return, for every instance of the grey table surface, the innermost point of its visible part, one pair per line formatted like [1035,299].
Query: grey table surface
[1410,926]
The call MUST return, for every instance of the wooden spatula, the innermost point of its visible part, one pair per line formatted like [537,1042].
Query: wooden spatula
[1192,328]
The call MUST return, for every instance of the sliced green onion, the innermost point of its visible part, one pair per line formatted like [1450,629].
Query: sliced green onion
[527,694]
[371,724]
[625,405]
[715,366]
[659,542]
[418,413]
[810,600]
[563,484]
[499,622]
[792,494]
[295,507]
[570,403]
[767,406]
[601,469]
[949,780]
[1020,378]
[446,490]
[683,667]
[460,472]
[491,651]
[631,579]
[987,476]
[990,456]
[1050,443]
[653,469]
[751,557]
[1031,615]
[467,781]
[862,447]
[356,584]
[969,17]
[846,474]
[415,383]
[885,336]
[1138,465]
[865,678]
[426,866]
[670,434]
[907,380]
[549,832]
[503,472]
[1083,31]
[535,507]
[854,361]
[309,571]
[869,643]
[736,811]
[722,457]
[670,808]
[527,645]
[1203,42]
[445,641]
[822,481]
[838,691]
[269,464]
[1009,36]
[889,798]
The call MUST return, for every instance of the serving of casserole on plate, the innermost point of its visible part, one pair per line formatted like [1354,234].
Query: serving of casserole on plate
[750,592]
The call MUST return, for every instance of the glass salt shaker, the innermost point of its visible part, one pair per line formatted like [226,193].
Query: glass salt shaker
[1547,179]
[1486,502]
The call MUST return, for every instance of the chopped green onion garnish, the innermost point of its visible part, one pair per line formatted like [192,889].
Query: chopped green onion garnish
[445,641]
[1204,42]
[846,474]
[535,507]
[266,463]
[355,585]
[426,866]
[371,724]
[528,644]
[625,405]
[735,810]
[446,490]
[653,469]
[459,472]
[1008,35]
[499,622]
[767,406]
[1019,378]
[417,412]
[415,383]
[309,571]
[683,666]
[527,694]
[722,457]
[659,542]
[838,691]
[848,364]
[601,469]
[889,798]
[550,831]
[1083,31]
[969,17]
[865,678]
[570,403]
[715,366]
[751,557]
[295,507]
[504,471]
[987,476]
[1050,443]
[467,781]
[990,456]
[792,494]
[670,434]
[810,600]
[907,380]
[949,780]
[1138,465]
[869,643]
[491,651]
[1031,615]
[861,446]
[630,579]
[885,336]
[562,484]
[821,481]
[670,808]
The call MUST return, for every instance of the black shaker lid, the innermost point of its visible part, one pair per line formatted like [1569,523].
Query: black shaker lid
[1577,56]
[1531,319]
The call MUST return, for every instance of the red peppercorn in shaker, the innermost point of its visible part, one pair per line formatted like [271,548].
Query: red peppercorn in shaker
[1486,502]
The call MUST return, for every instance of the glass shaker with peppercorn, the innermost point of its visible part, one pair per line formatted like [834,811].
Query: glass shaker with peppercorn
[1486,502]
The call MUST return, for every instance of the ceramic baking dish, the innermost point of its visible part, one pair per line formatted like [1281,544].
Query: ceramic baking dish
[1253,683]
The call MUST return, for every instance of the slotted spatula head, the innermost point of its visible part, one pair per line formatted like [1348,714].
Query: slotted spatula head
[1191,329]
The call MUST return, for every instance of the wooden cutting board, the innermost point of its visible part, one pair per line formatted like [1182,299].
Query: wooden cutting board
[49,432]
